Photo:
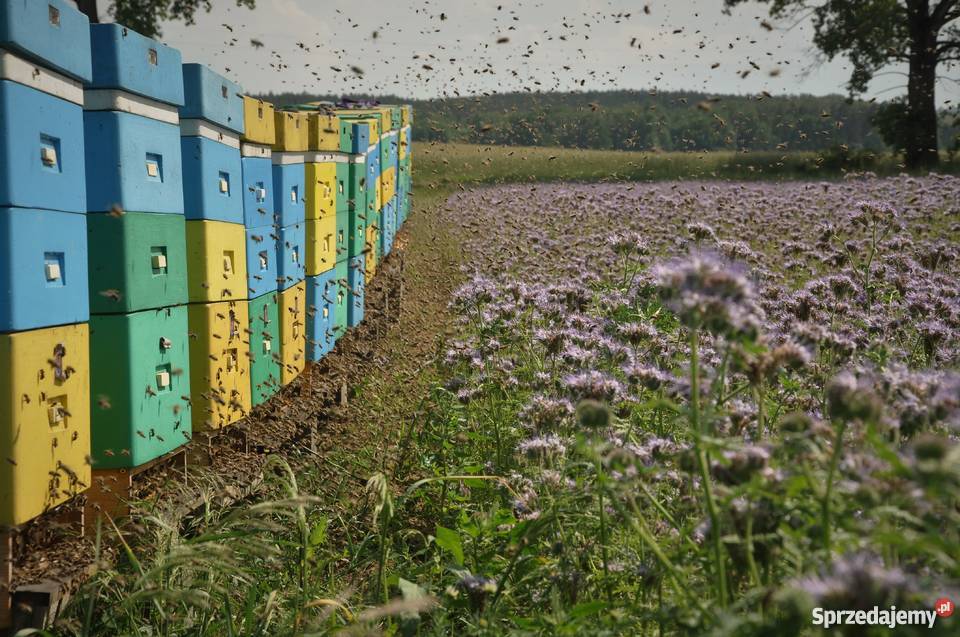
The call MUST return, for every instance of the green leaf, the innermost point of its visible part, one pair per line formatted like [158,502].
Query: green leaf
[587,608]
[449,540]
[318,534]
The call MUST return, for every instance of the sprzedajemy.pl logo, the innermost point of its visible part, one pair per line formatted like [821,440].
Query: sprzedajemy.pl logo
[890,617]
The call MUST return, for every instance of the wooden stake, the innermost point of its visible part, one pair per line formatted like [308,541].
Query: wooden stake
[6,579]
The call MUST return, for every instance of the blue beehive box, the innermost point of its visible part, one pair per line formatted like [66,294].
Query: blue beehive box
[356,275]
[52,33]
[393,151]
[133,162]
[125,60]
[210,96]
[288,189]
[373,165]
[291,255]
[43,269]
[321,314]
[212,180]
[41,141]
[361,137]
[261,260]
[257,183]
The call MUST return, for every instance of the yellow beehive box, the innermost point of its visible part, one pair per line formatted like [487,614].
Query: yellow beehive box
[259,126]
[44,420]
[405,116]
[388,182]
[219,363]
[404,142]
[320,182]
[324,132]
[383,116]
[293,330]
[292,131]
[321,245]
[216,261]
[370,260]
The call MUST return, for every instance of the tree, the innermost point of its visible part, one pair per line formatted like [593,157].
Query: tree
[145,16]
[876,33]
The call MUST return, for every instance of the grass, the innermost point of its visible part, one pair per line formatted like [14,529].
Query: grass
[446,166]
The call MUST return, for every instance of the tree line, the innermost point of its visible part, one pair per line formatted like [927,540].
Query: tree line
[666,121]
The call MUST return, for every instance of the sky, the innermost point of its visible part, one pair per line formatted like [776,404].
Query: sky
[424,49]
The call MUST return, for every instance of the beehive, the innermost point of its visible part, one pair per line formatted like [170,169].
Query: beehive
[264,351]
[210,96]
[43,268]
[388,184]
[389,221]
[404,144]
[257,185]
[342,241]
[293,331]
[345,195]
[133,162]
[324,132]
[322,293]
[356,284]
[321,242]
[342,299]
[45,417]
[322,196]
[41,149]
[292,131]
[291,255]
[356,135]
[140,386]
[137,261]
[212,173]
[289,191]
[372,250]
[52,33]
[125,60]
[259,126]
[262,252]
[219,366]
[216,261]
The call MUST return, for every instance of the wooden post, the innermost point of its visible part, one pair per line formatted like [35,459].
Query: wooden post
[6,579]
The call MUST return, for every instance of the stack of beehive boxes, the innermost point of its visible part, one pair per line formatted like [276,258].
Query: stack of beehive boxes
[166,246]
[327,233]
[289,195]
[404,163]
[212,120]
[139,348]
[44,308]
[359,136]
[263,235]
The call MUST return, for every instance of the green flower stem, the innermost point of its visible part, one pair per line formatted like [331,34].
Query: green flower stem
[703,465]
[828,492]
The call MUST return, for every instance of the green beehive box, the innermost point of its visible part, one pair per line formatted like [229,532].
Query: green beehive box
[343,235]
[340,301]
[396,117]
[137,261]
[140,386]
[343,196]
[264,347]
